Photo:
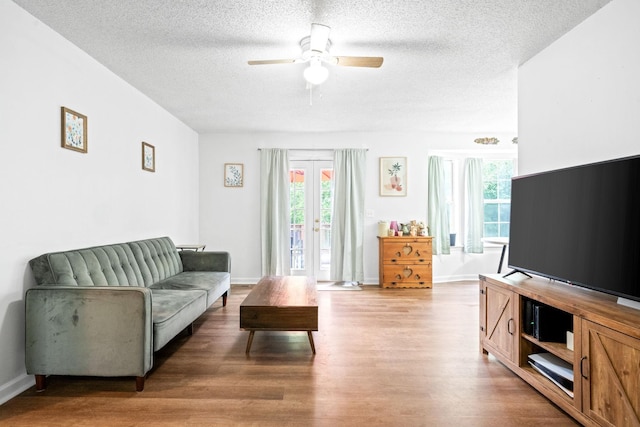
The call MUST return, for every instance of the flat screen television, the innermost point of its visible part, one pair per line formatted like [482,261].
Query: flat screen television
[580,225]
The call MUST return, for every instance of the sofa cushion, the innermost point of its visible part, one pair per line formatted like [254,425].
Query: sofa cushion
[174,310]
[158,259]
[111,265]
[215,283]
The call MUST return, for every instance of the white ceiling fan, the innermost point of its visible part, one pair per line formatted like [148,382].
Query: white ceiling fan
[315,50]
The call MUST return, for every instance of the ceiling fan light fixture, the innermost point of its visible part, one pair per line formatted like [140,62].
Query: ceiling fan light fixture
[315,73]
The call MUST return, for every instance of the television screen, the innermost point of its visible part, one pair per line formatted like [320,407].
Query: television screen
[580,225]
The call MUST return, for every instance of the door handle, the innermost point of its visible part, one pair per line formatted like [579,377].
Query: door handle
[581,368]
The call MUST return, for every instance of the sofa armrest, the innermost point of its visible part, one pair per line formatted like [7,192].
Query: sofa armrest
[205,261]
[92,331]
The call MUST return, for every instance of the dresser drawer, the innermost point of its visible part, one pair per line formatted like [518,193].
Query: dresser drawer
[419,275]
[407,251]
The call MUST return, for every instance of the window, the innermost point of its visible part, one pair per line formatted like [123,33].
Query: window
[498,169]
[450,194]
[496,179]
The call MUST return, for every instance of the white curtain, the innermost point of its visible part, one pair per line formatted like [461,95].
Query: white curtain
[347,223]
[274,212]
[474,215]
[437,208]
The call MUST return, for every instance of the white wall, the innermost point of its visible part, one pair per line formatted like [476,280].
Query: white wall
[57,199]
[230,217]
[579,99]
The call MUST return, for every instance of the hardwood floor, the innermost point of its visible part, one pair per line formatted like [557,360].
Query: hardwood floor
[406,357]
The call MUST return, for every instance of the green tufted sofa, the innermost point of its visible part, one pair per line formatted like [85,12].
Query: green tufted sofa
[104,311]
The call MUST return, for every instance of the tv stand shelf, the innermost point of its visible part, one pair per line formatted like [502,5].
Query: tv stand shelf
[559,349]
[606,373]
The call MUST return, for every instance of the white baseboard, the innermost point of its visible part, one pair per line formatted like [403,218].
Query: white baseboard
[457,278]
[239,281]
[15,387]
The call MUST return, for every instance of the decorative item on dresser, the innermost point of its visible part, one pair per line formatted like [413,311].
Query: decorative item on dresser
[405,262]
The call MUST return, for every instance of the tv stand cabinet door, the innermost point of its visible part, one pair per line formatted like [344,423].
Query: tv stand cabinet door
[499,324]
[610,371]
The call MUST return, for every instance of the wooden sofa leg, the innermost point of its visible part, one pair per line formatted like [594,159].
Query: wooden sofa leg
[224,299]
[190,329]
[41,382]
[139,383]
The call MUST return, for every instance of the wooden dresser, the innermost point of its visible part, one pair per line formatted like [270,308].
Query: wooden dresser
[405,262]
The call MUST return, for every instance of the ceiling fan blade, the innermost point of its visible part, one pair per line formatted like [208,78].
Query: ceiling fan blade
[273,61]
[319,37]
[359,61]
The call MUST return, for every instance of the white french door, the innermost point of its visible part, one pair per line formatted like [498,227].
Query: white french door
[311,201]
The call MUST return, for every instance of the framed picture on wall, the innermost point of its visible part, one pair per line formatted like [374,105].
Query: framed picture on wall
[148,157]
[233,174]
[74,130]
[393,176]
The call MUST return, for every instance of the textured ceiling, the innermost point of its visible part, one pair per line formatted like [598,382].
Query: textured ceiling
[449,66]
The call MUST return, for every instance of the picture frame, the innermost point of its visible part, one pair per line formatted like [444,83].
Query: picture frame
[73,130]
[233,174]
[148,157]
[393,176]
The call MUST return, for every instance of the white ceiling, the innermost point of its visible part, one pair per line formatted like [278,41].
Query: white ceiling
[449,65]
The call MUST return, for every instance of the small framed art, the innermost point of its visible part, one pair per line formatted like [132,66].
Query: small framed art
[74,130]
[233,174]
[393,176]
[148,157]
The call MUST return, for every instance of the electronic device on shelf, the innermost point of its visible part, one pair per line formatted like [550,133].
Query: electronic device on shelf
[555,369]
[546,323]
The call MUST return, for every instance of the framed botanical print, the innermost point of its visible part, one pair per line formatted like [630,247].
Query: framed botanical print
[74,130]
[148,157]
[233,174]
[393,176]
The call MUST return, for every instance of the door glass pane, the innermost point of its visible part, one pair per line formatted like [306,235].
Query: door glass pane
[297,201]
[326,209]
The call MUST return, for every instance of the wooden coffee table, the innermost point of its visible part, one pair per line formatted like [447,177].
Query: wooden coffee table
[281,303]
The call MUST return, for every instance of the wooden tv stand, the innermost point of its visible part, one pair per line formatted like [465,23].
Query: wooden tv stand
[606,345]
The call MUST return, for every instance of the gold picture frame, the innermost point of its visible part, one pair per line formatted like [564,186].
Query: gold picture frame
[148,157]
[233,174]
[74,130]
